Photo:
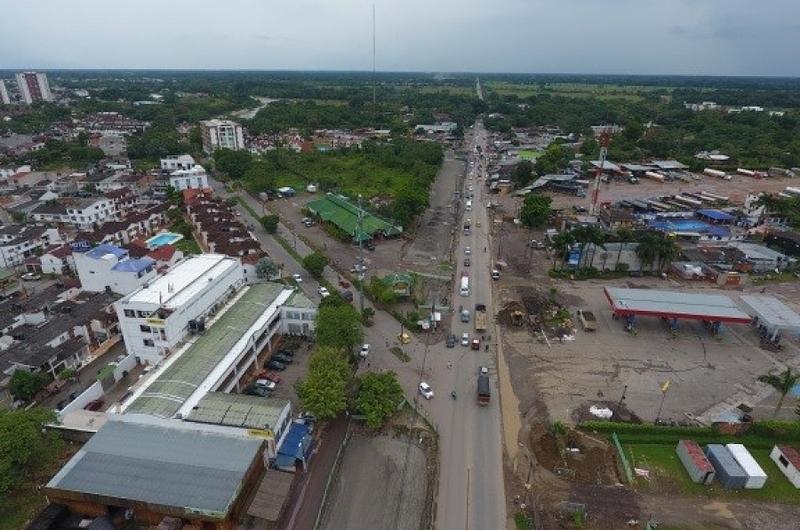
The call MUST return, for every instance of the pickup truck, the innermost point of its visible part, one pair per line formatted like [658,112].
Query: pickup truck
[480,317]
[588,321]
[484,393]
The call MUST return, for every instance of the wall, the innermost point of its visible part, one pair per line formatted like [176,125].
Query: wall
[125,365]
[90,394]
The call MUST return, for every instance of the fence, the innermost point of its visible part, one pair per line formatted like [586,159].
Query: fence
[626,466]
[95,391]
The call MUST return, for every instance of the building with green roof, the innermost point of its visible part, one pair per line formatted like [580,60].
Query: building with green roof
[341,212]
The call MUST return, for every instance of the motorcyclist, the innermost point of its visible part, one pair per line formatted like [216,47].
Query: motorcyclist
[453,394]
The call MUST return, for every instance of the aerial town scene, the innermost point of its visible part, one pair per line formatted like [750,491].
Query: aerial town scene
[472,266]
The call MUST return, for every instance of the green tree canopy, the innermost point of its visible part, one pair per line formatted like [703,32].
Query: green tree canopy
[315,264]
[235,164]
[323,392]
[266,269]
[535,210]
[378,397]
[522,173]
[338,326]
[783,383]
[270,223]
[25,385]
[26,447]
[555,159]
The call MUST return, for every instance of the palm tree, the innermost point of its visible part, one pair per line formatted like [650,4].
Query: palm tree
[783,383]
[647,251]
[667,251]
[623,237]
[585,234]
[561,242]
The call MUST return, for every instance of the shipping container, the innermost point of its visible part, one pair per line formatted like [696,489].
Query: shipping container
[697,465]
[788,461]
[755,475]
[729,472]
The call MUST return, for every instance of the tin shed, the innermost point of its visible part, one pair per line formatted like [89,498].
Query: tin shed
[729,473]
[697,465]
[755,475]
[788,461]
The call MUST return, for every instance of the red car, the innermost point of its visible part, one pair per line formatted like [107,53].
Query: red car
[476,344]
[97,404]
[270,375]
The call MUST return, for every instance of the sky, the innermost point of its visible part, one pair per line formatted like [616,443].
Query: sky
[691,37]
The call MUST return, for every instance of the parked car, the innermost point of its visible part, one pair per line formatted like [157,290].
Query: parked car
[467,251]
[483,370]
[288,353]
[95,405]
[272,376]
[467,262]
[476,344]
[31,277]
[323,292]
[275,365]
[426,390]
[255,390]
[465,339]
[451,341]
[364,351]
[266,383]
[297,278]
[281,358]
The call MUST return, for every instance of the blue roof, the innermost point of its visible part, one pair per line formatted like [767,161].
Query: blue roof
[134,265]
[103,249]
[297,442]
[716,215]
[689,225]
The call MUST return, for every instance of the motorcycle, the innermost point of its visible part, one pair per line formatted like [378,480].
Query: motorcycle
[453,394]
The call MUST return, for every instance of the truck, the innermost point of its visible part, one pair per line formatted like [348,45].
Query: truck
[480,317]
[588,321]
[484,392]
[464,290]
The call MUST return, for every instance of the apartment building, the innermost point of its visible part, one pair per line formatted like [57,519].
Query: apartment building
[82,213]
[108,267]
[194,177]
[33,87]
[221,134]
[20,242]
[176,162]
[4,97]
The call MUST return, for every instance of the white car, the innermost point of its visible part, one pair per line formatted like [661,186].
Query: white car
[364,351]
[266,383]
[426,390]
[296,277]
[323,292]
[484,370]
[465,339]
[467,251]
[31,277]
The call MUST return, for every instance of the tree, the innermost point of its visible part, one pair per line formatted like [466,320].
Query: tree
[535,210]
[783,383]
[270,223]
[338,326]
[25,385]
[233,163]
[66,374]
[561,243]
[261,174]
[323,392]
[175,197]
[315,264]
[378,397]
[656,249]
[522,173]
[555,159]
[26,447]
[410,201]
[266,269]
[586,234]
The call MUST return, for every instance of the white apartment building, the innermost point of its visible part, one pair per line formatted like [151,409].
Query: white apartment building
[33,87]
[195,177]
[83,214]
[20,242]
[156,318]
[176,162]
[4,98]
[110,267]
[221,134]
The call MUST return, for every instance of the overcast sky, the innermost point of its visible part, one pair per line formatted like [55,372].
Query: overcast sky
[713,37]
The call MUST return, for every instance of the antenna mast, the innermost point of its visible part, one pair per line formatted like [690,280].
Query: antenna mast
[374,97]
[605,138]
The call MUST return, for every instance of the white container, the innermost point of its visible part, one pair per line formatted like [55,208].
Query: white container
[755,475]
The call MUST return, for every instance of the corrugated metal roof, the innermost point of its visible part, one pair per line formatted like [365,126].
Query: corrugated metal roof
[299,300]
[166,466]
[237,410]
[164,396]
[651,302]
[772,312]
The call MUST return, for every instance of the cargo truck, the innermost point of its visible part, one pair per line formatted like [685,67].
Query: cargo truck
[484,393]
[480,317]
[588,321]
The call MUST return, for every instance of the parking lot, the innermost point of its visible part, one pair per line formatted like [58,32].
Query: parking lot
[599,367]
[285,389]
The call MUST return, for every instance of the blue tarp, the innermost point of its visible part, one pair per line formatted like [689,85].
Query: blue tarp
[101,250]
[715,215]
[297,443]
[134,265]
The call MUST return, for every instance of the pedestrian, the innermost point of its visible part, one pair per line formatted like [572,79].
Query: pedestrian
[368,364]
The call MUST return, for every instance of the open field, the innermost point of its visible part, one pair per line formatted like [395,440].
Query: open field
[572,90]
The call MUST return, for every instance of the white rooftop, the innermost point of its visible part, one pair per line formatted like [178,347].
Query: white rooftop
[183,281]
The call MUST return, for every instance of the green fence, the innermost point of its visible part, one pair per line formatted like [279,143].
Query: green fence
[626,466]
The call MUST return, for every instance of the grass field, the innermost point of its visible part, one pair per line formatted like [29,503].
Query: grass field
[572,90]
[529,154]
[669,476]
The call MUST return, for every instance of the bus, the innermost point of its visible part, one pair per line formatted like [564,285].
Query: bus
[464,285]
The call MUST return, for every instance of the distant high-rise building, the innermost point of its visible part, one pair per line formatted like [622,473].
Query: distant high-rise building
[4,99]
[221,134]
[33,87]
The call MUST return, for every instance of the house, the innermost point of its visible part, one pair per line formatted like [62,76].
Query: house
[81,212]
[20,242]
[107,267]
[165,256]
[194,177]
[175,162]
[788,461]
[57,259]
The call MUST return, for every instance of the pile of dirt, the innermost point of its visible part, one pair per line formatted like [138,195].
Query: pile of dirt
[575,457]
[605,507]
[620,412]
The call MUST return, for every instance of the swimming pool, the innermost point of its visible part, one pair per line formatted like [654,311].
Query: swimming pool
[164,238]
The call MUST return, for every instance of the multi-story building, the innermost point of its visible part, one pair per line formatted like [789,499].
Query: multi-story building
[82,213]
[176,162]
[4,97]
[19,242]
[194,177]
[107,267]
[156,318]
[221,134]
[33,87]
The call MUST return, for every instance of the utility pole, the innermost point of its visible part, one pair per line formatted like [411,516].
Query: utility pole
[605,138]
[360,235]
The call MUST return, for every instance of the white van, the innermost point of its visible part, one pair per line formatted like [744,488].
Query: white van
[469,206]
[465,286]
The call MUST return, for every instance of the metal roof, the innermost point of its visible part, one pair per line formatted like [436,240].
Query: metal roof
[191,470]
[300,301]
[238,410]
[772,312]
[165,395]
[669,304]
